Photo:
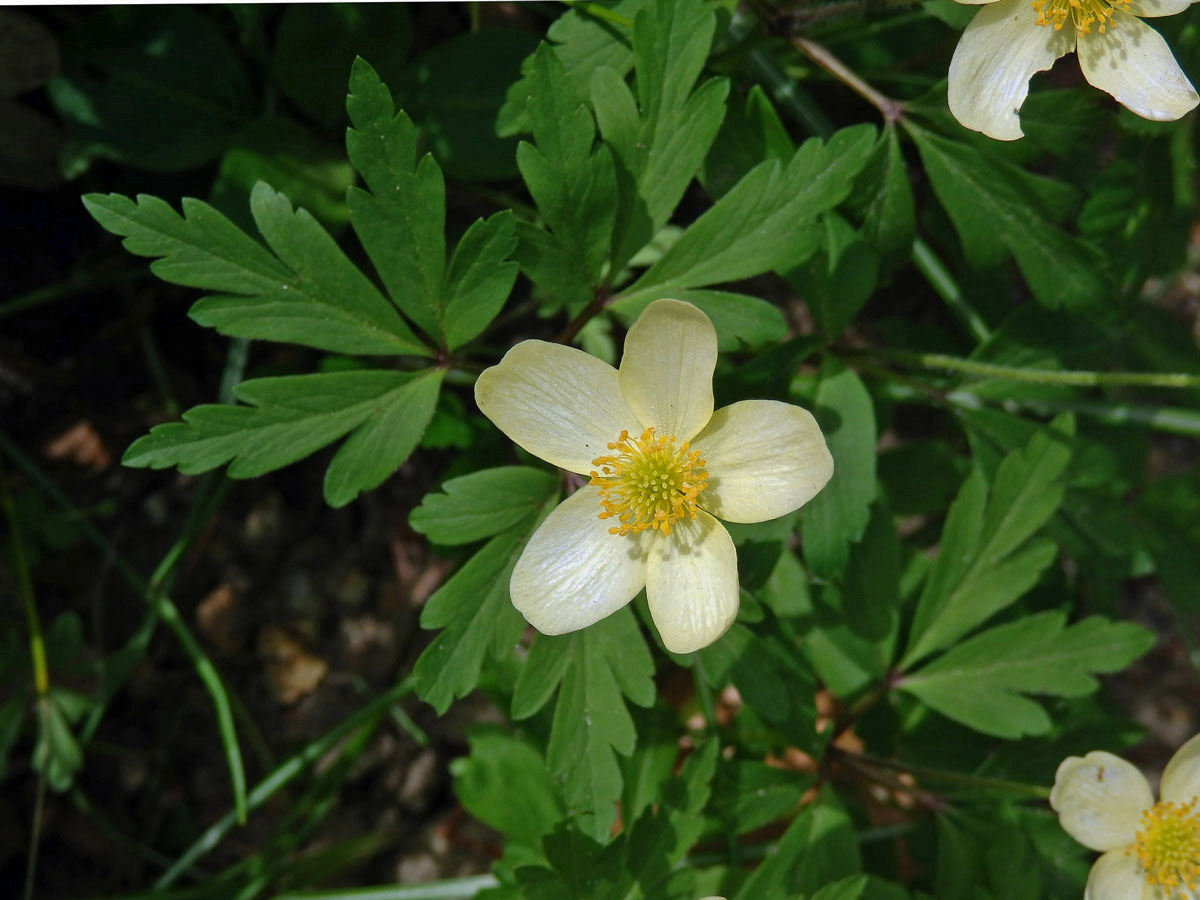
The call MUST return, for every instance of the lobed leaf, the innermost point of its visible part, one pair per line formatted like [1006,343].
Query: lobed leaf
[595,670]
[292,416]
[766,221]
[982,682]
[481,504]
[307,293]
[985,562]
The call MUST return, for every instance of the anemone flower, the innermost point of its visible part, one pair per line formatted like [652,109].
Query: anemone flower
[1009,40]
[1151,851]
[662,467]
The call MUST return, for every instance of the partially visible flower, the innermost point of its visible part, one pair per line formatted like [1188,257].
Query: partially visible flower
[1009,40]
[661,465]
[1151,850]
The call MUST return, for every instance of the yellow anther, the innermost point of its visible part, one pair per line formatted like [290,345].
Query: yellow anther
[1167,847]
[1082,14]
[649,482]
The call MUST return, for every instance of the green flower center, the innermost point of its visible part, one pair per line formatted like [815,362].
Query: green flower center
[1168,846]
[649,482]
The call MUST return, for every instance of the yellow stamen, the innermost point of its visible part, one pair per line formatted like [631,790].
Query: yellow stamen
[1167,847]
[650,482]
[1083,14]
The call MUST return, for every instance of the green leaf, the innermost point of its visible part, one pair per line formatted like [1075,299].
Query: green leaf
[767,221]
[986,560]
[982,682]
[851,645]
[837,516]
[660,139]
[158,89]
[454,91]
[477,618]
[480,277]
[481,504]
[750,133]
[818,847]
[573,185]
[888,210]
[838,280]
[583,43]
[658,840]
[504,784]
[292,416]
[311,173]
[751,794]
[317,44]
[994,205]
[770,677]
[595,670]
[57,753]
[401,223]
[309,294]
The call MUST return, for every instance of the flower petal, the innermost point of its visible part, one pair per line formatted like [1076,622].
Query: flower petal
[764,459]
[573,572]
[1148,8]
[1099,799]
[692,583]
[998,53]
[1115,876]
[559,403]
[1181,777]
[667,369]
[1132,62]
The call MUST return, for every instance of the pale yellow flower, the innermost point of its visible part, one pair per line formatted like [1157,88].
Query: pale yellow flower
[1151,850]
[662,465]
[1009,40]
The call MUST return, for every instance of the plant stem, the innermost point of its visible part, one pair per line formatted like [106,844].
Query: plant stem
[891,110]
[167,612]
[280,776]
[947,288]
[601,300]
[975,781]
[37,644]
[448,889]
[1075,378]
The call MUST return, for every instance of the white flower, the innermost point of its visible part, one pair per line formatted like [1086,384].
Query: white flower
[1151,850]
[1009,40]
[662,465]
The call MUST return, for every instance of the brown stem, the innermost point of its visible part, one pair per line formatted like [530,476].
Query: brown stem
[601,300]
[891,110]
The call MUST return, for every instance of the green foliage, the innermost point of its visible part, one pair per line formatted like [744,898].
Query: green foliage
[981,681]
[401,224]
[290,417]
[473,610]
[306,292]
[993,338]
[594,671]
[995,206]
[988,556]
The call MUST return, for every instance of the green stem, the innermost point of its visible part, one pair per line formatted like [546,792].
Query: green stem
[975,781]
[37,644]
[1074,378]
[598,11]
[167,612]
[449,889]
[279,777]
[944,285]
